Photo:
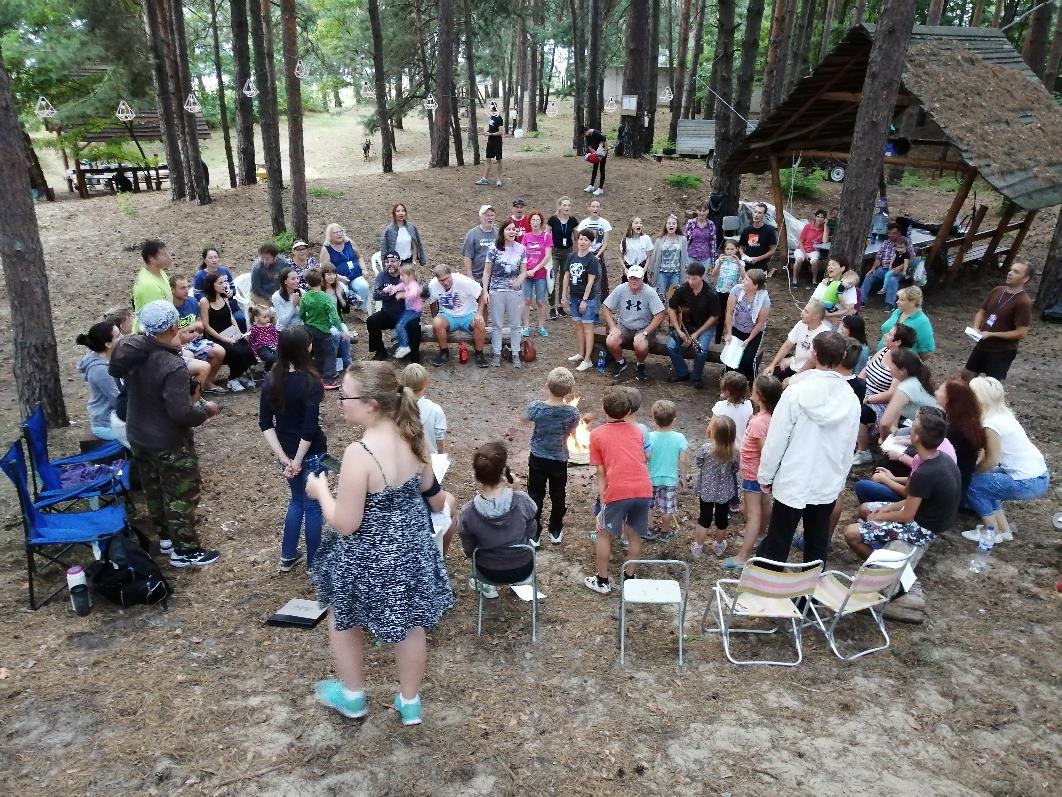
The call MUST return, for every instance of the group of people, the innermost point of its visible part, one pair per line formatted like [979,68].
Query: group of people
[816,409]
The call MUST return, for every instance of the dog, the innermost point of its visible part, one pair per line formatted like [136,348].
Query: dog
[366,148]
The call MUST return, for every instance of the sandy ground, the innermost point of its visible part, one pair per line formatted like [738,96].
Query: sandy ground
[206,699]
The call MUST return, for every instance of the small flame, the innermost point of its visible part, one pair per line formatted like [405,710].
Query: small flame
[579,439]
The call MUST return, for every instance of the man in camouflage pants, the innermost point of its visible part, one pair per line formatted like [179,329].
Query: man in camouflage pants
[164,406]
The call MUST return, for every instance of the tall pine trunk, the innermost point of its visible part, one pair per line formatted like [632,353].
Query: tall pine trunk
[300,217]
[1035,49]
[891,39]
[535,68]
[444,84]
[800,50]
[35,358]
[219,78]
[470,76]
[827,28]
[268,121]
[723,68]
[636,75]
[1054,58]
[595,26]
[519,85]
[679,75]
[169,111]
[579,74]
[199,190]
[774,70]
[653,75]
[246,173]
[690,101]
[425,69]
[1050,290]
[178,118]
[380,80]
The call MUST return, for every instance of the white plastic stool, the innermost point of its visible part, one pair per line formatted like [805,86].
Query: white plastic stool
[660,591]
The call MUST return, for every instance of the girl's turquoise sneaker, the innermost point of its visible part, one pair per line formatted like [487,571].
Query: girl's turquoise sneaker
[330,693]
[409,712]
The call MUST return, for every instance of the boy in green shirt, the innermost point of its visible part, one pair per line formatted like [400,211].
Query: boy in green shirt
[318,313]
[152,281]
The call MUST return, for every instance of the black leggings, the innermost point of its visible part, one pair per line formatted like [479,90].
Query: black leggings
[721,514]
[548,475]
[747,366]
[593,174]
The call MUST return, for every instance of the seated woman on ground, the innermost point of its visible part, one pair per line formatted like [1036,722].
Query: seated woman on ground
[342,252]
[1012,469]
[103,388]
[286,300]
[853,326]
[497,517]
[913,390]
[880,388]
[218,325]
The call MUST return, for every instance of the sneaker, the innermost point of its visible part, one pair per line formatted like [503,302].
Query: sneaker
[599,192]
[575,358]
[235,386]
[525,332]
[496,362]
[410,712]
[486,590]
[380,355]
[482,181]
[735,506]
[617,368]
[882,291]
[165,547]
[719,548]
[585,365]
[402,351]
[553,314]
[563,313]
[678,378]
[441,359]
[640,374]
[481,360]
[597,585]
[974,535]
[1004,536]
[862,457]
[215,390]
[624,576]
[498,184]
[197,557]
[730,563]
[247,382]
[589,189]
[667,536]
[543,332]
[556,539]
[697,550]
[285,565]
[535,543]
[332,694]
[516,361]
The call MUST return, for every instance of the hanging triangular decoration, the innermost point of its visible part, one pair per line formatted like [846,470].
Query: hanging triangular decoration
[667,95]
[44,109]
[192,104]
[551,109]
[301,70]
[124,112]
[249,89]
[368,87]
[429,102]
[610,106]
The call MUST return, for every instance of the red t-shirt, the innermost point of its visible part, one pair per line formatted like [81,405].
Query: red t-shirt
[810,236]
[522,225]
[620,447]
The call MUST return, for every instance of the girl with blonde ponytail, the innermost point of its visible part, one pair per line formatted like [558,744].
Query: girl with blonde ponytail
[377,567]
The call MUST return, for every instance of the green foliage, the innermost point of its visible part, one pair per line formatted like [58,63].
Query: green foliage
[284,240]
[685,181]
[322,193]
[920,179]
[569,155]
[660,143]
[802,183]
[371,124]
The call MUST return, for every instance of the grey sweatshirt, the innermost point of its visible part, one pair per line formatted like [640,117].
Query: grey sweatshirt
[491,524]
[103,389]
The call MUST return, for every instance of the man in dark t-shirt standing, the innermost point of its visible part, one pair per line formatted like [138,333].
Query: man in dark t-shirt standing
[758,241]
[1002,321]
[494,132]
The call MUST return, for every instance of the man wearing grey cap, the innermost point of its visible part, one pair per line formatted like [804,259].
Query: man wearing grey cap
[164,405]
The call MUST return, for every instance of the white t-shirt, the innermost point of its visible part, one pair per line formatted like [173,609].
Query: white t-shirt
[638,249]
[600,226]
[1017,455]
[740,414]
[404,243]
[433,419]
[461,299]
[800,336]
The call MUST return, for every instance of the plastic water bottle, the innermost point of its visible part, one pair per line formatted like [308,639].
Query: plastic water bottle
[462,352]
[600,360]
[80,599]
[984,549]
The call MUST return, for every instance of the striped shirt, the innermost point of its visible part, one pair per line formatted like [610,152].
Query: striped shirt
[879,376]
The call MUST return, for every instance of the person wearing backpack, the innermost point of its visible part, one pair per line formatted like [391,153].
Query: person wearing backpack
[163,407]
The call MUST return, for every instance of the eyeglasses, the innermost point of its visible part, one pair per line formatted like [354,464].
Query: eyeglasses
[341,397]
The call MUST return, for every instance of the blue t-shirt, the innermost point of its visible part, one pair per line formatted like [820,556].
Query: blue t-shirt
[553,424]
[665,448]
[200,279]
[187,313]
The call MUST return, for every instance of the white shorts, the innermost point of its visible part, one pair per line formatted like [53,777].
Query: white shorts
[800,255]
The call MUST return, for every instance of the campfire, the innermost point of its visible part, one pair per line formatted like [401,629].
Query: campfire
[579,439]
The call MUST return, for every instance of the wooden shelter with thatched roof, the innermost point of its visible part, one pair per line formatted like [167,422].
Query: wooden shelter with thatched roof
[982,113]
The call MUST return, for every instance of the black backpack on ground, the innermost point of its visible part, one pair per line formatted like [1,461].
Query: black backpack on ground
[127,575]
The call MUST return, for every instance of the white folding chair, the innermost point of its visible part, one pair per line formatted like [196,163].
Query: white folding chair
[532,579]
[660,591]
[766,590]
[869,590]
[241,286]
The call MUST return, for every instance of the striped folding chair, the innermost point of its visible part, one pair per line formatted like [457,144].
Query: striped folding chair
[766,590]
[839,595]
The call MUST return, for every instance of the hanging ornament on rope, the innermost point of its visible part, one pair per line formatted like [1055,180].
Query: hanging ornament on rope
[192,104]
[368,88]
[610,106]
[44,109]
[124,112]
[301,70]
[250,89]
[667,95]
[429,103]
[551,109]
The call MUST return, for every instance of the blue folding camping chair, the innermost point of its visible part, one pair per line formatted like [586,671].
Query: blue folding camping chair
[45,531]
[48,472]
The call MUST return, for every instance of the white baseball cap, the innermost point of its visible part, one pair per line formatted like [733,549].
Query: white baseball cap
[636,272]
[484,208]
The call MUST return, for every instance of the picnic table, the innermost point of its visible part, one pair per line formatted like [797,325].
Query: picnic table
[101,178]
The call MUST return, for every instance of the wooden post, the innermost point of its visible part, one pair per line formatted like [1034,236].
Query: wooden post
[949,220]
[1009,209]
[779,213]
[1019,238]
[967,241]
[79,176]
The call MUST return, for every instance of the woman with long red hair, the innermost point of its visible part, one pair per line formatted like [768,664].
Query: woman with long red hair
[965,431]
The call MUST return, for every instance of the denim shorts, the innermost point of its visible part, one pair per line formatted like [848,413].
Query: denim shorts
[590,317]
[750,486]
[535,289]
[459,323]
[633,512]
